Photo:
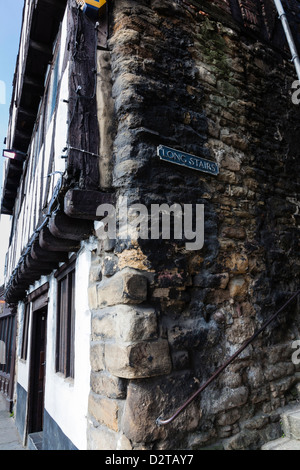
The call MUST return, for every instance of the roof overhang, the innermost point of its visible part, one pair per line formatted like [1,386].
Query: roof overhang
[44,26]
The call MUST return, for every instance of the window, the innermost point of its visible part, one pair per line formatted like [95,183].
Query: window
[53,88]
[65,340]
[25,332]
[6,338]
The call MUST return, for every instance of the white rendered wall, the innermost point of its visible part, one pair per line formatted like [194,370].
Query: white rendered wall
[66,400]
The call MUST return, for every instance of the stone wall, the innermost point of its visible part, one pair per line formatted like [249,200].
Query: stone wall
[165,318]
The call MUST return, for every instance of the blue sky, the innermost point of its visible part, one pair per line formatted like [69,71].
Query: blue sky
[10,29]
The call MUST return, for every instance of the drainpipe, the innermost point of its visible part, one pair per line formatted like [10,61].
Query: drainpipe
[282,15]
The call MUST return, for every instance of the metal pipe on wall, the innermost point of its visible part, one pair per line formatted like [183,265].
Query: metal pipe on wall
[295,56]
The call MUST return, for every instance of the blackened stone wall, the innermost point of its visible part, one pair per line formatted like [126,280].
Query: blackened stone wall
[165,318]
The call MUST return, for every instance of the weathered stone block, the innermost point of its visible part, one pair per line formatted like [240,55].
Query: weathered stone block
[230,398]
[136,324]
[243,440]
[101,438]
[238,233]
[241,330]
[255,376]
[104,410]
[278,371]
[97,356]
[108,385]
[149,399]
[104,325]
[237,263]
[125,323]
[138,360]
[123,443]
[127,286]
[93,296]
[228,418]
[238,287]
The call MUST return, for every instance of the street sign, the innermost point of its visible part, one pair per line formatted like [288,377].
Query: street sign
[187,160]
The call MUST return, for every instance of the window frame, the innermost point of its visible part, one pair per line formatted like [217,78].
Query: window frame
[65,319]
[25,332]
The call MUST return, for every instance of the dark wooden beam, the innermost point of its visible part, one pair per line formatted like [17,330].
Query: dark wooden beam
[55,4]
[38,253]
[9,193]
[62,226]
[82,163]
[22,135]
[15,167]
[49,242]
[40,47]
[35,85]
[82,204]
[6,211]
[26,275]
[44,267]
[27,113]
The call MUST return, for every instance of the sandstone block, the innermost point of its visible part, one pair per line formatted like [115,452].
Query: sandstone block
[104,325]
[139,359]
[97,356]
[255,377]
[108,385]
[123,443]
[230,398]
[101,438]
[237,263]
[278,371]
[149,399]
[229,418]
[241,330]
[127,286]
[238,287]
[104,410]
[238,233]
[93,296]
[136,324]
[125,322]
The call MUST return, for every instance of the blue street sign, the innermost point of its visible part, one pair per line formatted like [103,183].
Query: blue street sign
[187,160]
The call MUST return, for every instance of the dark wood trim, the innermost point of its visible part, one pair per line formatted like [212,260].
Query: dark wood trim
[66,268]
[41,291]
[25,331]
[7,375]
[81,165]
[65,330]
[37,367]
